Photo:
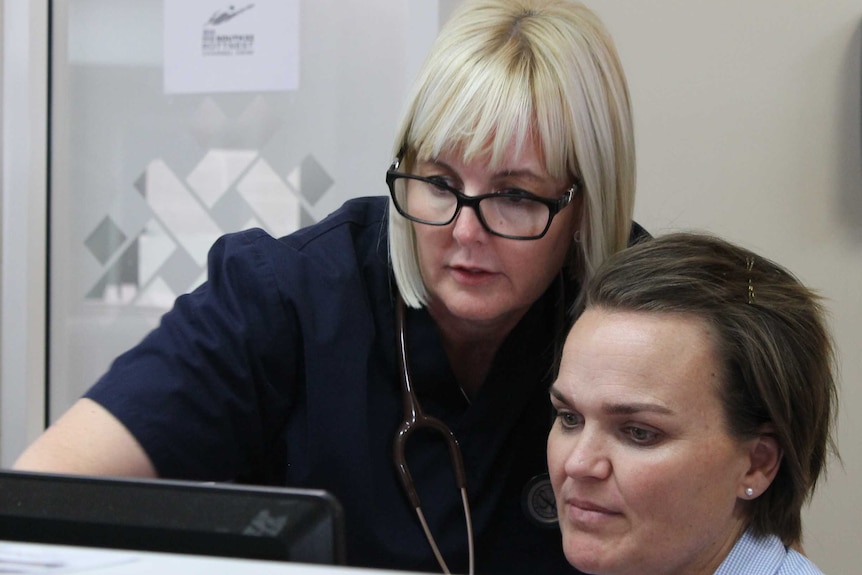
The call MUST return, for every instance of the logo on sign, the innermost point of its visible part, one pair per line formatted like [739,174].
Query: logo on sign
[216,43]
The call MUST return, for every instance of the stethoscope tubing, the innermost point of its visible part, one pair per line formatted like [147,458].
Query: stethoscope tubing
[413,419]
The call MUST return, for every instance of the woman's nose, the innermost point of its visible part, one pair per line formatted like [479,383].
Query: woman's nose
[468,227]
[589,456]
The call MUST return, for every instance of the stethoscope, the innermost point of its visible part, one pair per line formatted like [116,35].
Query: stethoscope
[537,498]
[414,419]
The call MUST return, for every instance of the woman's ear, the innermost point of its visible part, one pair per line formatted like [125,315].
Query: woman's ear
[764,456]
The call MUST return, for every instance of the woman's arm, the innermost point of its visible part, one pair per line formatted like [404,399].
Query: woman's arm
[87,440]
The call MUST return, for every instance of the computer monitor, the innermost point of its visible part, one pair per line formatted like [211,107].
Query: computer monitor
[221,519]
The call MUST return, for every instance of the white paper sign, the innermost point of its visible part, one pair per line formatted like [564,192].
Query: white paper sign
[224,46]
[33,558]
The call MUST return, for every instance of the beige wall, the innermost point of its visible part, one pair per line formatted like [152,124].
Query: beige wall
[748,124]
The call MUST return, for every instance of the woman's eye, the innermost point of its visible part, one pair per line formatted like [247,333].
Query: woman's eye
[568,419]
[641,436]
[516,194]
[442,183]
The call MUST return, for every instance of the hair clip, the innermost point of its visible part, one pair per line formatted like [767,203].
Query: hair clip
[749,265]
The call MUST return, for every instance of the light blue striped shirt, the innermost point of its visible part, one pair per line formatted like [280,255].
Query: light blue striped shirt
[765,556]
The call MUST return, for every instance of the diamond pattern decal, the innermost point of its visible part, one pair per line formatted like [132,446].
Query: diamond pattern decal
[217,171]
[105,240]
[273,203]
[163,244]
[314,182]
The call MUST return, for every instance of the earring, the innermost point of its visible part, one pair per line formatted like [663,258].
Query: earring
[749,492]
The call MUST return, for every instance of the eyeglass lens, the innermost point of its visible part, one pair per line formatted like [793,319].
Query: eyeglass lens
[511,216]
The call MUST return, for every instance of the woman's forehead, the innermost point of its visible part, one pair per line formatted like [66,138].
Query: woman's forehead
[494,152]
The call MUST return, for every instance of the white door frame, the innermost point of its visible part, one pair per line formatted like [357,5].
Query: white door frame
[23,233]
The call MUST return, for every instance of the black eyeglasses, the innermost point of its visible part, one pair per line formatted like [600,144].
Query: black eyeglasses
[513,214]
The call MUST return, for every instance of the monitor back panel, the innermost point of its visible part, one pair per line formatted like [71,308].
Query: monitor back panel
[219,519]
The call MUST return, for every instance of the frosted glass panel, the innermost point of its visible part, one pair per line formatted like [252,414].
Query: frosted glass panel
[142,182]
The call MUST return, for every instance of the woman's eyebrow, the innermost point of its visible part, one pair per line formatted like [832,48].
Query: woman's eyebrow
[522,173]
[632,408]
[526,173]
[431,162]
[558,395]
[620,408]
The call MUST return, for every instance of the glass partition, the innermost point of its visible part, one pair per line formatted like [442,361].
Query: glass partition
[142,181]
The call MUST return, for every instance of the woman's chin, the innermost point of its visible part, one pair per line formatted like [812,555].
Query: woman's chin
[589,556]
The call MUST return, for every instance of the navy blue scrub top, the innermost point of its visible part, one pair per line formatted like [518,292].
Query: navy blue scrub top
[282,369]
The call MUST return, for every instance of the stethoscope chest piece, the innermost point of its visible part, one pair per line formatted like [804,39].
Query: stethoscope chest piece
[538,501]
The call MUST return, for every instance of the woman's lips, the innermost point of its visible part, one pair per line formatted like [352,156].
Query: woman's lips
[587,514]
[471,276]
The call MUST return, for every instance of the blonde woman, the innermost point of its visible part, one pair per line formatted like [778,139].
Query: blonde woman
[303,360]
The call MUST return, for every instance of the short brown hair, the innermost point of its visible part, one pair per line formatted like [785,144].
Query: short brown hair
[770,336]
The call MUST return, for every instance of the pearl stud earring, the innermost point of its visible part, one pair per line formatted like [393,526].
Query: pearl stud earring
[749,492]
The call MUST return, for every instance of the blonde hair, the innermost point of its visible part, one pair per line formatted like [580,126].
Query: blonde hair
[503,71]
